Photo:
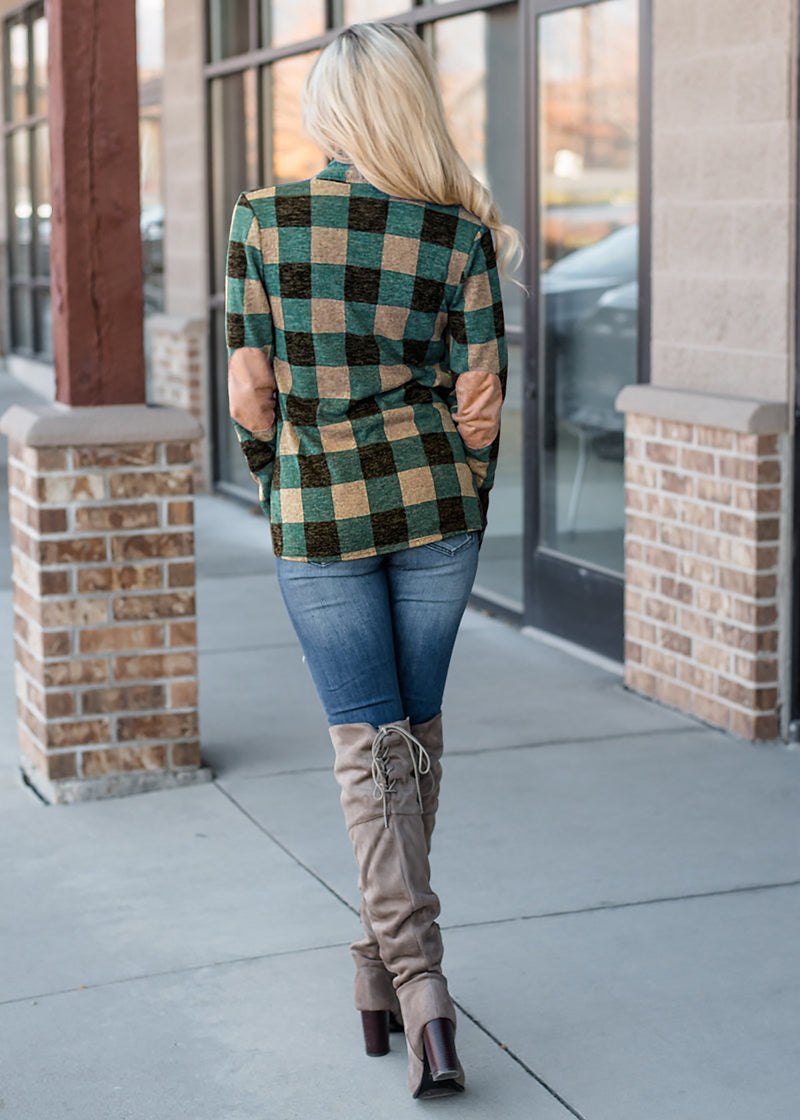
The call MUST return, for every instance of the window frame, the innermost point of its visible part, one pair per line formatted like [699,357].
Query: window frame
[417,14]
[28,286]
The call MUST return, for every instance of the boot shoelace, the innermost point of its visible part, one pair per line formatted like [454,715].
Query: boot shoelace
[385,784]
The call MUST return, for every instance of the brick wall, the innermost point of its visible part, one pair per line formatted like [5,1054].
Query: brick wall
[104,615]
[703,557]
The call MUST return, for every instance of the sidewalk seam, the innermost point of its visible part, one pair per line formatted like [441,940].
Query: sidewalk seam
[287,851]
[516,1058]
[721,892]
[456,753]
[174,972]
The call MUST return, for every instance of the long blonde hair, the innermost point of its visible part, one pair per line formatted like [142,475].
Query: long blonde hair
[372,96]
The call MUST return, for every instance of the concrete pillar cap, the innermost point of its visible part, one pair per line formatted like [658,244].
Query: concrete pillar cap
[60,425]
[710,410]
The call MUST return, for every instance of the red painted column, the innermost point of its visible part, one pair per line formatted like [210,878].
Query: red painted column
[95,256]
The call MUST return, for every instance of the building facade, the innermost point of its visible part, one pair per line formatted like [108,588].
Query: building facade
[644,504]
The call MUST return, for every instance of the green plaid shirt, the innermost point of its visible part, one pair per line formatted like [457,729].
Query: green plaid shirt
[370,308]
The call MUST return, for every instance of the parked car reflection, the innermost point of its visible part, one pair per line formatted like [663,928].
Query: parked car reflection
[578,304]
[573,285]
[590,339]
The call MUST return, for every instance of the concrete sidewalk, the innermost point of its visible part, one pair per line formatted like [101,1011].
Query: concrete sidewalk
[620,899]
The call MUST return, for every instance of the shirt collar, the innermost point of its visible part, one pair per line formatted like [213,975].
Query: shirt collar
[342,172]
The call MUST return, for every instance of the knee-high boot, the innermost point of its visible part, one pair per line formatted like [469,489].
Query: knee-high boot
[380,772]
[374,990]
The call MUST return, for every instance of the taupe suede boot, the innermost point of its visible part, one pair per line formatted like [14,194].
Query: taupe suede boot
[380,773]
[374,983]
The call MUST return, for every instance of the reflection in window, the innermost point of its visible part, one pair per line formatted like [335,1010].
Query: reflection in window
[228,28]
[231,463]
[21,204]
[44,324]
[588,105]
[151,222]
[22,319]
[477,59]
[589,124]
[357,10]
[460,49]
[292,21]
[294,156]
[17,67]
[150,39]
[43,210]
[27,176]
[150,61]
[39,31]
[234,156]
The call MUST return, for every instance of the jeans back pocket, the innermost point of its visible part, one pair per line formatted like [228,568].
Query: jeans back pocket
[451,545]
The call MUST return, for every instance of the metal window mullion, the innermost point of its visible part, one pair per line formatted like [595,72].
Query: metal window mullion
[334,14]
[34,235]
[426,13]
[266,108]
[25,122]
[29,22]
[253,24]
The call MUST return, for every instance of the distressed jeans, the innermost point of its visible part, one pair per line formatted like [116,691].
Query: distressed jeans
[378,633]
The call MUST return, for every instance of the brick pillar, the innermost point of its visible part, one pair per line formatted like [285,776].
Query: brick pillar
[704,544]
[178,378]
[104,606]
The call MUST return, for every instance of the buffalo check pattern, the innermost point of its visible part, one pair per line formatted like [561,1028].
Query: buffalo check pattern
[369,307]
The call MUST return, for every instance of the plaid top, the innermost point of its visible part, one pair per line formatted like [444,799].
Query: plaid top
[370,307]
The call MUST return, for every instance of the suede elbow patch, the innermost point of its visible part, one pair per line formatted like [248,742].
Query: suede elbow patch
[480,397]
[251,389]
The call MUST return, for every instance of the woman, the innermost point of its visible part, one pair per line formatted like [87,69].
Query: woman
[367,367]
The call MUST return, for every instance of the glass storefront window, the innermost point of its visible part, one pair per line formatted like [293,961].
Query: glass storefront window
[234,155]
[478,59]
[356,11]
[459,46]
[44,324]
[151,223]
[39,33]
[43,209]
[294,156]
[292,21]
[228,28]
[478,63]
[21,232]
[588,106]
[150,39]
[17,71]
[231,463]
[22,318]
[27,174]
[28,168]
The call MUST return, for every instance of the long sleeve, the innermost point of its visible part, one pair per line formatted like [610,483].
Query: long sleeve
[479,362]
[248,324]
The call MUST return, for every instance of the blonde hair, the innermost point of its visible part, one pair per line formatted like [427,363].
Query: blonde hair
[372,97]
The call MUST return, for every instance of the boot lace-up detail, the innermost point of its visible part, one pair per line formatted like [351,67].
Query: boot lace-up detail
[385,784]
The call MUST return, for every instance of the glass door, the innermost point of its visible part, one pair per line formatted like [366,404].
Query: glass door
[585,327]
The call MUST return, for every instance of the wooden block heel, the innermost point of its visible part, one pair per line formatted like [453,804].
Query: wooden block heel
[440,1062]
[375,1025]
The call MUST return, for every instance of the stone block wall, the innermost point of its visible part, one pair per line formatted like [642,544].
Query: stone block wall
[724,195]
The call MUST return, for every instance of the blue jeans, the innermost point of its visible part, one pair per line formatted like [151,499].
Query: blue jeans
[378,633]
